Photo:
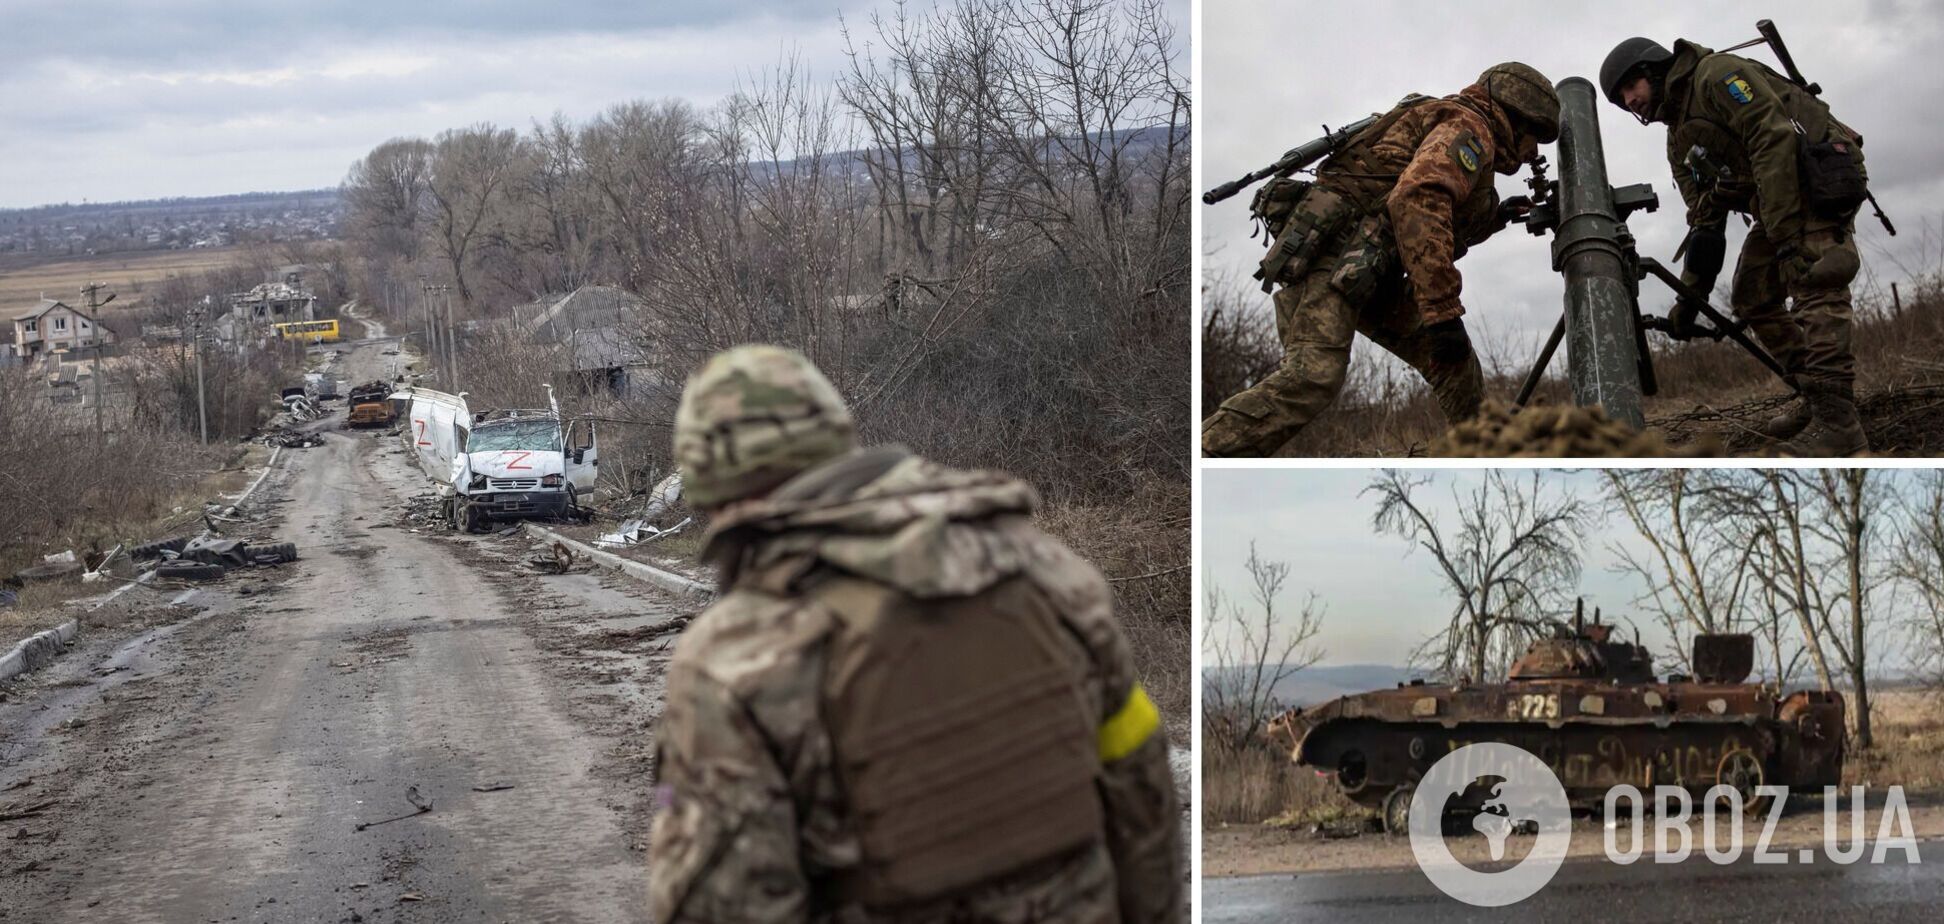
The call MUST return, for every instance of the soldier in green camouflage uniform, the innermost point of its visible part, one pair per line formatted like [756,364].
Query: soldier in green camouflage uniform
[1369,249]
[910,704]
[1748,125]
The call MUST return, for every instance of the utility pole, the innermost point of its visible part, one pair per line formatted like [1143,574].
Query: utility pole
[452,338]
[202,409]
[431,338]
[93,290]
[442,341]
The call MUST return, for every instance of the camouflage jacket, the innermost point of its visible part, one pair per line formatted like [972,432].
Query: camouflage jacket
[1745,116]
[753,821]
[1441,154]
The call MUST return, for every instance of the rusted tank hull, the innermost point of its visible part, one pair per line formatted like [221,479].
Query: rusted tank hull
[1593,736]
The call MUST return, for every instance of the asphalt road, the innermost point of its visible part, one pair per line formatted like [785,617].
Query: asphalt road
[222,772]
[1596,890]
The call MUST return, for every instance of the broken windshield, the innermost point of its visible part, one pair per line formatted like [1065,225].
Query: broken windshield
[536,434]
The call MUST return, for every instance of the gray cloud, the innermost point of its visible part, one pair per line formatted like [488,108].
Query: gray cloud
[136,99]
[1271,74]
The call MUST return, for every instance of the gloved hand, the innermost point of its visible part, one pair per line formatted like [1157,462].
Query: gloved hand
[1449,343]
[1510,210]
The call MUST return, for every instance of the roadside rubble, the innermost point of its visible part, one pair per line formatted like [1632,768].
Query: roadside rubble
[209,558]
[661,502]
[289,438]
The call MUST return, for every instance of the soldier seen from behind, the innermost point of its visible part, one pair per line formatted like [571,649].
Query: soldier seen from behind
[1369,246]
[1742,138]
[909,703]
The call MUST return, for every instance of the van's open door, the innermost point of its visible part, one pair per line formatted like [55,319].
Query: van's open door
[581,456]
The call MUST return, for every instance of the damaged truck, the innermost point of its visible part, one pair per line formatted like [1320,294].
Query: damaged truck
[507,464]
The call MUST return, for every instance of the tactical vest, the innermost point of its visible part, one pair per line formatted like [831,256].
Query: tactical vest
[963,737]
[1352,188]
[1725,147]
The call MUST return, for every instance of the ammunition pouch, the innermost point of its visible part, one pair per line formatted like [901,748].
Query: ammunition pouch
[1312,220]
[1369,258]
[1833,184]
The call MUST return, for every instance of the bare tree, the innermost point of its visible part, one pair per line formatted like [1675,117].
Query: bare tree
[1252,652]
[1511,562]
[1696,562]
[385,196]
[1776,509]
[1850,500]
[469,172]
[1918,563]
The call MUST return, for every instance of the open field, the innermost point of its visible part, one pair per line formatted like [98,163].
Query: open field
[23,282]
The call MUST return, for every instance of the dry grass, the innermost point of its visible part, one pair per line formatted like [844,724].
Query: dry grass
[1258,784]
[1141,545]
[1385,410]
[1908,731]
[129,274]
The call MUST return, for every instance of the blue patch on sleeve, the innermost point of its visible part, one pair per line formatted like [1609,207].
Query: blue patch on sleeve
[1738,89]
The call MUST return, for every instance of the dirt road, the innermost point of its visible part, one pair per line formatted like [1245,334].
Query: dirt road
[218,767]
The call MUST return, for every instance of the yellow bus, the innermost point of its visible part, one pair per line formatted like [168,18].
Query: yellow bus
[309,331]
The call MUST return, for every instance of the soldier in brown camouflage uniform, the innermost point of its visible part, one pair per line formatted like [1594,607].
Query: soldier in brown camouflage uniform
[1748,123]
[1369,249]
[909,704]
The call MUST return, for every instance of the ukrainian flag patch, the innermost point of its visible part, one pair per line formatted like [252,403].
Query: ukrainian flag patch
[1738,89]
[1468,152]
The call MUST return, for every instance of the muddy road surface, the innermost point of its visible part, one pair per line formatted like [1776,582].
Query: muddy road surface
[243,753]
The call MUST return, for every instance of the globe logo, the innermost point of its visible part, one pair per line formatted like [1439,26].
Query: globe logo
[1518,790]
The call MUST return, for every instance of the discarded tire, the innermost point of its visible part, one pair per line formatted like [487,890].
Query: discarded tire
[191,571]
[49,571]
[274,555]
[155,549]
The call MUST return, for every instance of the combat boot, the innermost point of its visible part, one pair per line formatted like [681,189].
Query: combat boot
[1833,429]
[1790,422]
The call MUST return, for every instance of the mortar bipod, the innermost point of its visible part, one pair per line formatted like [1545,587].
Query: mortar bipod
[1724,329]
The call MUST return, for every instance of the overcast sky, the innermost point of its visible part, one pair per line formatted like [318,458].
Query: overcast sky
[140,99]
[1273,72]
[1384,595]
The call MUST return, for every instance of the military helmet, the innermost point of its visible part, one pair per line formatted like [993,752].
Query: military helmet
[1526,94]
[754,417]
[1625,57]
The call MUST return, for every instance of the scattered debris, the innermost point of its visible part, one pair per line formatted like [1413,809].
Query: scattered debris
[411,897]
[302,407]
[412,795]
[51,567]
[662,500]
[558,559]
[637,531]
[493,787]
[156,548]
[290,438]
[97,571]
[191,571]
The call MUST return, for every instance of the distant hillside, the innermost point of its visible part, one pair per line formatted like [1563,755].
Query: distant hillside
[1313,685]
[69,230]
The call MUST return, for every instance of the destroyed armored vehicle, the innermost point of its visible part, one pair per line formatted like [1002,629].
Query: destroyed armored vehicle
[1588,705]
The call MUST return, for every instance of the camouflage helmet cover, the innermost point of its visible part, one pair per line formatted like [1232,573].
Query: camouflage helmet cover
[754,417]
[1526,94]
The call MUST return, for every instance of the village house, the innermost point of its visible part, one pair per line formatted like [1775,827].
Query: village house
[51,326]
